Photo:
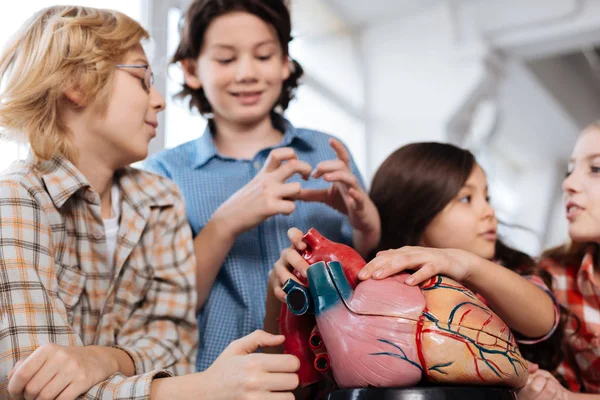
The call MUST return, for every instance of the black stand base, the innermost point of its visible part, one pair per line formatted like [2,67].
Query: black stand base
[425,393]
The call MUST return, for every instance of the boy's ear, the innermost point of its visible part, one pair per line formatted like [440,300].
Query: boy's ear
[76,97]
[190,73]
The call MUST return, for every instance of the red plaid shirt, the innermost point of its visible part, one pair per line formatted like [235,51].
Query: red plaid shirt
[576,288]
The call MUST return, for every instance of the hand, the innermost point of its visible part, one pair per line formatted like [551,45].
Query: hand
[238,374]
[289,260]
[345,194]
[542,385]
[266,195]
[59,372]
[428,262]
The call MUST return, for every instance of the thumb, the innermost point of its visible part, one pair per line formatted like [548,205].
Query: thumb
[252,342]
[532,367]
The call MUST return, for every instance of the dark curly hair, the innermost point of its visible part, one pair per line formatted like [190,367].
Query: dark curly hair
[198,17]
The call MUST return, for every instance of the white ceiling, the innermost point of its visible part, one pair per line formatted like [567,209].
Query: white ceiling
[361,12]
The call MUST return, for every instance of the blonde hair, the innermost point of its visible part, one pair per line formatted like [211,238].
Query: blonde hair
[60,48]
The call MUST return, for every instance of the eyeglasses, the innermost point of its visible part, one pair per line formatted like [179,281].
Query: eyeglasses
[148,79]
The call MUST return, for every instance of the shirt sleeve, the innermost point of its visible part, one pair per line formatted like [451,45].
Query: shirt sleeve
[536,280]
[162,332]
[31,311]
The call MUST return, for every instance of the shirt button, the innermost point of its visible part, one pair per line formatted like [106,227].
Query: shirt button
[98,235]
[257,164]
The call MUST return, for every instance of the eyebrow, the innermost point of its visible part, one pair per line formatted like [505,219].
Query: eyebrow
[471,186]
[588,157]
[231,47]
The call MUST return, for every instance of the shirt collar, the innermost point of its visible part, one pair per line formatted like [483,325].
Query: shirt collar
[586,269]
[206,149]
[63,180]
[142,190]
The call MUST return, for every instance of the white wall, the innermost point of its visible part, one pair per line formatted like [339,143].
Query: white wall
[421,68]
[416,75]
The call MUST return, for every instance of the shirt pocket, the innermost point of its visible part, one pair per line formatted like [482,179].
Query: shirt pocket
[135,282]
[71,283]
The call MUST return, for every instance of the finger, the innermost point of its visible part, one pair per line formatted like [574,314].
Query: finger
[328,166]
[392,262]
[291,258]
[537,387]
[349,202]
[532,367]
[289,191]
[367,271]
[280,294]
[340,150]
[285,207]
[281,382]
[55,387]
[277,362]
[278,396]
[277,157]
[296,238]
[283,273]
[314,195]
[380,262]
[40,380]
[552,391]
[359,198]
[12,371]
[23,374]
[425,272]
[71,392]
[345,177]
[292,167]
[252,342]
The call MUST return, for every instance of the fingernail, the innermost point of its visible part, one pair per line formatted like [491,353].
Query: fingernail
[378,273]
[362,274]
[537,385]
[410,281]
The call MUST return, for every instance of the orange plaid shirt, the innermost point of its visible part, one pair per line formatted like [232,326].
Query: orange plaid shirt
[576,288]
[56,285]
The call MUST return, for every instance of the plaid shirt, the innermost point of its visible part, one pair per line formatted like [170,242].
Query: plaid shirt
[577,289]
[56,285]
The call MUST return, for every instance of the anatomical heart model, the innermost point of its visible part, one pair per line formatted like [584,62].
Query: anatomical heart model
[384,333]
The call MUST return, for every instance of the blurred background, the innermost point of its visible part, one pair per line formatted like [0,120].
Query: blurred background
[514,81]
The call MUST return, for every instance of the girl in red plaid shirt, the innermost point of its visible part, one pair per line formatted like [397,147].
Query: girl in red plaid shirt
[575,267]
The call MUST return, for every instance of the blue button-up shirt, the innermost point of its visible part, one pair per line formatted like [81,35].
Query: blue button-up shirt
[236,304]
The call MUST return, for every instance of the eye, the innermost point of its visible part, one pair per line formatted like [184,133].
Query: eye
[488,198]
[225,61]
[594,169]
[465,199]
[265,58]
[145,85]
